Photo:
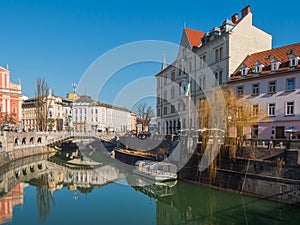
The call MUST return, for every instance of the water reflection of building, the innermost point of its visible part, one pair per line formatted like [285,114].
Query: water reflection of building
[9,201]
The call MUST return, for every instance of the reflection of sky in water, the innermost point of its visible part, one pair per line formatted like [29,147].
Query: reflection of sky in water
[120,204]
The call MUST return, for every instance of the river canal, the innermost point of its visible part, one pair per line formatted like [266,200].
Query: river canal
[37,190]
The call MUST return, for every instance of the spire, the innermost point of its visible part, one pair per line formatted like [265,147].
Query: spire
[19,81]
[7,67]
[164,62]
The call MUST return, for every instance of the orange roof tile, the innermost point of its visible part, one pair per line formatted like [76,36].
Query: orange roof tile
[282,54]
[194,37]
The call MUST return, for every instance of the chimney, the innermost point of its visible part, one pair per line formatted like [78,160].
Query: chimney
[245,11]
[235,18]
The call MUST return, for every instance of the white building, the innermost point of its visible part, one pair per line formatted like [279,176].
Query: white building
[216,53]
[92,115]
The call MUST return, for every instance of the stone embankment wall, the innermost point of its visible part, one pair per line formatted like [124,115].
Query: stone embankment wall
[6,157]
[276,178]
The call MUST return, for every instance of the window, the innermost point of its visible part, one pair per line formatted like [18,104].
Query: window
[221,53]
[244,70]
[272,87]
[255,110]
[258,67]
[165,110]
[96,111]
[271,109]
[240,91]
[289,109]
[165,80]
[178,107]
[165,96]
[255,89]
[92,111]
[275,64]
[96,119]
[172,109]
[158,111]
[220,77]
[290,84]
[294,60]
[190,67]
[173,76]
[216,55]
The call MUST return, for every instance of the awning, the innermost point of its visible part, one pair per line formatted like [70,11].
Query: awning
[291,129]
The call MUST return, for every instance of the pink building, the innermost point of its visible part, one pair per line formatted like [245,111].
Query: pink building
[271,81]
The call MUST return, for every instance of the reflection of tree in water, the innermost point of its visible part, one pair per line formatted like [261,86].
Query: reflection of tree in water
[44,198]
[85,190]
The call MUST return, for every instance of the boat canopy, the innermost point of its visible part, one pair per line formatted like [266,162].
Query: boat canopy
[162,166]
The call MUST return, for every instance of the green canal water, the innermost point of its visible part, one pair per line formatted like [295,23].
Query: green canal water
[57,201]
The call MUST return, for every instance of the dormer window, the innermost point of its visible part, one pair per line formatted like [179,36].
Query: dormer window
[275,64]
[244,70]
[294,60]
[258,67]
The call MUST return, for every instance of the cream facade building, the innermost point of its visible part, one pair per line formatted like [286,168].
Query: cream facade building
[216,54]
[58,113]
[90,115]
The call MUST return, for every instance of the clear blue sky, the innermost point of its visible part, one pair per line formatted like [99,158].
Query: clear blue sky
[59,39]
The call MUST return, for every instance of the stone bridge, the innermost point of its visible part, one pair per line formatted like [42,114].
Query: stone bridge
[10,141]
[23,170]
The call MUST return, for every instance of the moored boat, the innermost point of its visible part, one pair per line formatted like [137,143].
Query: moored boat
[157,171]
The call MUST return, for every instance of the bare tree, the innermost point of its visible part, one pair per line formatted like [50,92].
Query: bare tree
[6,118]
[41,104]
[145,113]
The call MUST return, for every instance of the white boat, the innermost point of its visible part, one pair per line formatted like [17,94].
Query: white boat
[157,171]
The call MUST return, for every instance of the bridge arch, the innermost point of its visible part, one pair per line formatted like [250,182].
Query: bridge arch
[32,168]
[24,141]
[24,170]
[17,173]
[17,142]
[40,166]
[39,140]
[31,140]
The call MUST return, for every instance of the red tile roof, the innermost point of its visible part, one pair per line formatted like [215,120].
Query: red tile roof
[194,37]
[282,54]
